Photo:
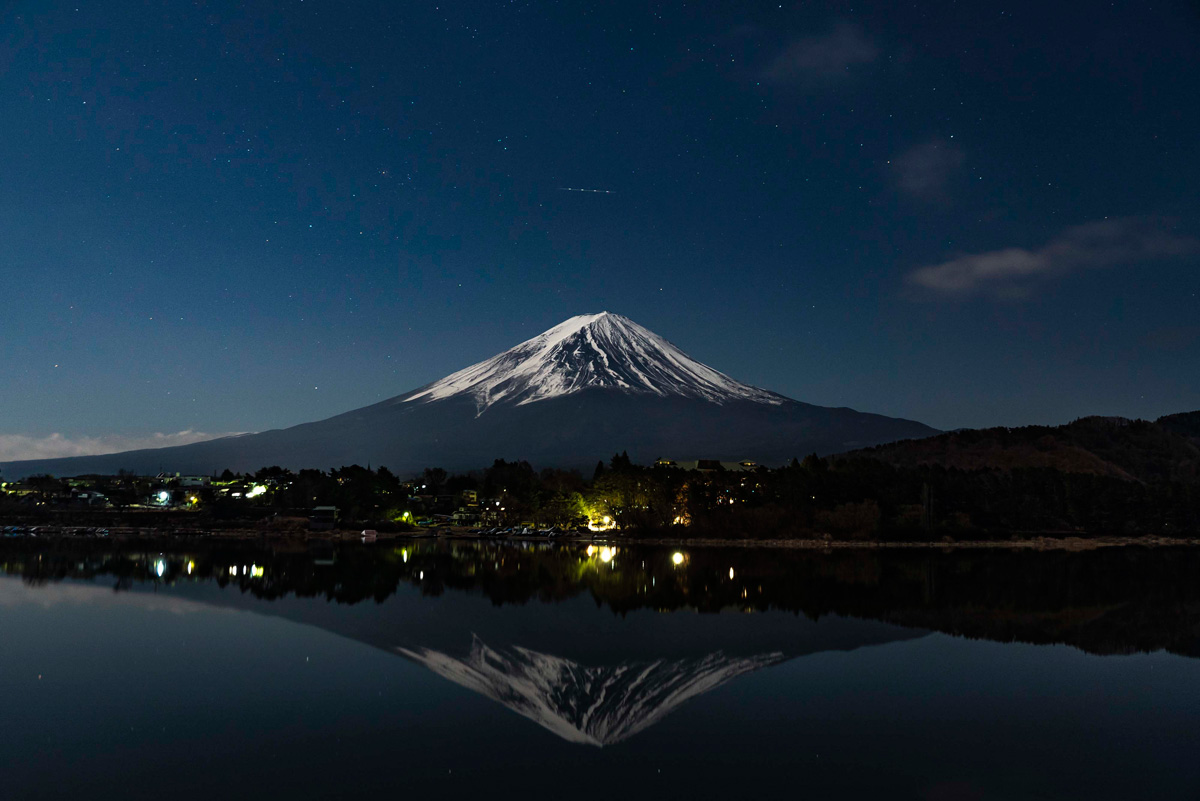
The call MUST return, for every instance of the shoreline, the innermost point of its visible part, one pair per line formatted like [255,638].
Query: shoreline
[1039,542]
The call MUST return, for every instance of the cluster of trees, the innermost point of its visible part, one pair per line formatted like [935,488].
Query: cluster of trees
[518,492]
[846,498]
[867,498]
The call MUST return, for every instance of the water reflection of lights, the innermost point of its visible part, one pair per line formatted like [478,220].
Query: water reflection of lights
[191,567]
[677,558]
[160,567]
[605,552]
[731,574]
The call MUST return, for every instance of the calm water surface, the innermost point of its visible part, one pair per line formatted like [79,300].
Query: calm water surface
[467,669]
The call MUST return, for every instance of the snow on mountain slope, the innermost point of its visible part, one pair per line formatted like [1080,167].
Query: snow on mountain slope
[591,350]
[585,704]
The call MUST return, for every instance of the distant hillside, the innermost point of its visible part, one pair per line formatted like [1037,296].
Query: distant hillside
[1186,424]
[1165,450]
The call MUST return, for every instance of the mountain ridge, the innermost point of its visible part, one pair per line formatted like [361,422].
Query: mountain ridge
[1166,449]
[591,386]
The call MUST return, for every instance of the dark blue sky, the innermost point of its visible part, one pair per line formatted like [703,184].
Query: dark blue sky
[226,217]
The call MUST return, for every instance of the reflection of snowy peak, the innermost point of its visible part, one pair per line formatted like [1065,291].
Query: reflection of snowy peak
[590,351]
[594,705]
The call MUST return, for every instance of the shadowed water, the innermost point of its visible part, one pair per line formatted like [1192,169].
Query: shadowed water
[467,668]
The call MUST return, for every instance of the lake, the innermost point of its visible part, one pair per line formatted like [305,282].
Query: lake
[503,669]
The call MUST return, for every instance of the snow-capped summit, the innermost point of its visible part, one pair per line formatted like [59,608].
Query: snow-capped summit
[602,350]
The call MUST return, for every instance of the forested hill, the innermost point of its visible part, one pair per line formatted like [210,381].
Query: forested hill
[1185,423]
[1165,450]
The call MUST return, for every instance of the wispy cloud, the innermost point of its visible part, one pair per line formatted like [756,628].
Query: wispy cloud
[1013,272]
[819,60]
[924,170]
[15,447]
[15,594]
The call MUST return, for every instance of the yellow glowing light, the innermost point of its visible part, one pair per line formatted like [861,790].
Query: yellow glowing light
[604,524]
[232,570]
[731,573]
[256,571]
[677,558]
[606,554]
[191,567]
[591,549]
[256,490]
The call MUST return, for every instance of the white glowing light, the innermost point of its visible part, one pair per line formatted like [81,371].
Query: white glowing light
[731,573]
[256,490]
[191,567]
[606,554]
[677,558]
[160,567]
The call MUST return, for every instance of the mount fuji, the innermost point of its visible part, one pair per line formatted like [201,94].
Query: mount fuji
[591,386]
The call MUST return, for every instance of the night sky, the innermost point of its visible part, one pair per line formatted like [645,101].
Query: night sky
[221,217]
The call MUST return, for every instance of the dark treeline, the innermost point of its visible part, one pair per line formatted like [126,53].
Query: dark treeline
[1093,477]
[848,498]
[1110,600]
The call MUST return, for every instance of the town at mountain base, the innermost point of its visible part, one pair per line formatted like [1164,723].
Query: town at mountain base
[591,386]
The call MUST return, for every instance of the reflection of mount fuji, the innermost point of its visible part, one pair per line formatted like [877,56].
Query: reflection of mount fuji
[582,704]
[578,670]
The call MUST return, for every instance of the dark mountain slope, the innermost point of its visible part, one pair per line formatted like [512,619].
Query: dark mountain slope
[1132,450]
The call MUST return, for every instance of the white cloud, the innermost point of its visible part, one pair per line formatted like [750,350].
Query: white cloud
[16,593]
[15,447]
[822,59]
[1013,272]
[923,171]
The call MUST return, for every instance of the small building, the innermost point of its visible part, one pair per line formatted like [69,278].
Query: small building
[322,518]
[710,465]
[194,481]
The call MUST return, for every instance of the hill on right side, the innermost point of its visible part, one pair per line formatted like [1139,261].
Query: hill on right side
[1166,450]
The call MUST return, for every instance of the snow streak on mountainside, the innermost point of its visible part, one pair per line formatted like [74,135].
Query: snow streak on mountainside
[589,705]
[592,350]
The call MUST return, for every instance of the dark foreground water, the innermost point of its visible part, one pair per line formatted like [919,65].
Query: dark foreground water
[467,670]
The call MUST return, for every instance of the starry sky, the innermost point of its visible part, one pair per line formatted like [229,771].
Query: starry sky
[220,217]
